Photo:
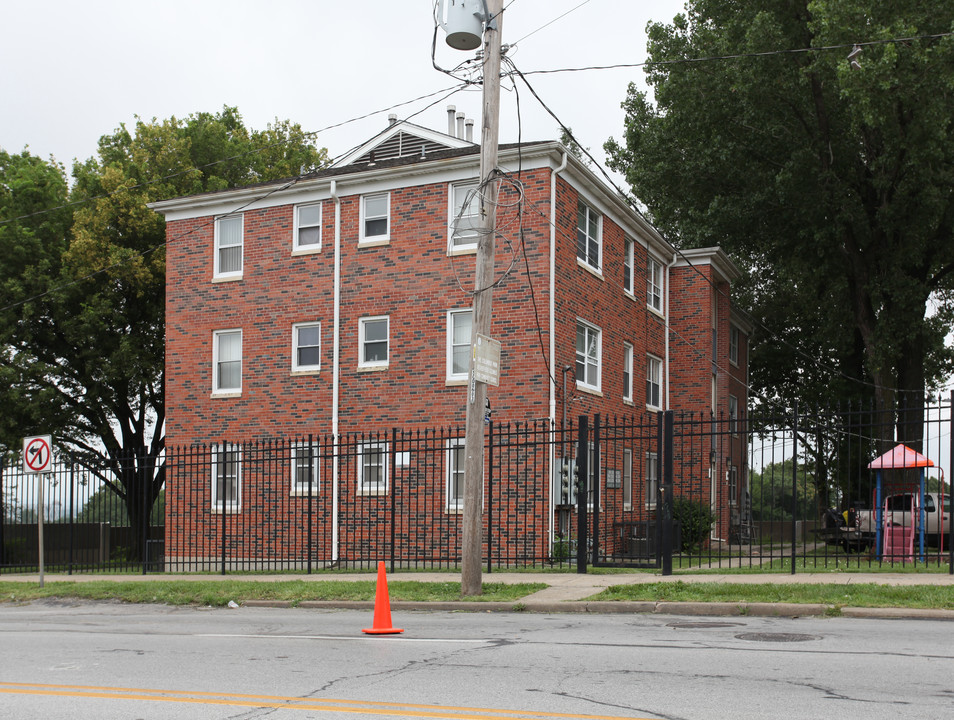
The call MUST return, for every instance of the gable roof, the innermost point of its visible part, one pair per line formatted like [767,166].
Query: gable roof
[900,457]
[402,139]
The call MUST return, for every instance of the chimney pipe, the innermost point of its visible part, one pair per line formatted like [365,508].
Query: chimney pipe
[451,110]
[392,119]
[470,129]
[460,125]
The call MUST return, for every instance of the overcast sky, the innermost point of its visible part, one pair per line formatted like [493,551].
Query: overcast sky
[71,71]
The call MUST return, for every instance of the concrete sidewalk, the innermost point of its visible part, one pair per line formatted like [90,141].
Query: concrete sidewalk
[572,593]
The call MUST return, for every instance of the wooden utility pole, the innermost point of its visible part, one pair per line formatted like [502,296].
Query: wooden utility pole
[471,541]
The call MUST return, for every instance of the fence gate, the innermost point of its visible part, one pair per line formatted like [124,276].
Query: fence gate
[625,518]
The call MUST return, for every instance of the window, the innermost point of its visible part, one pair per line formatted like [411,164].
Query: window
[455,475]
[654,285]
[629,250]
[734,345]
[458,344]
[588,236]
[307,227]
[733,485]
[373,468]
[228,246]
[304,474]
[627,478]
[587,355]
[373,342]
[227,361]
[464,216]
[733,415]
[652,479]
[653,382]
[306,347]
[226,478]
[627,372]
[375,210]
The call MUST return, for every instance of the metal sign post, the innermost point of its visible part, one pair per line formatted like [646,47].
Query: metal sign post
[38,460]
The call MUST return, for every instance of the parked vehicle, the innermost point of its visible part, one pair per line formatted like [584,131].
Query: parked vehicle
[902,509]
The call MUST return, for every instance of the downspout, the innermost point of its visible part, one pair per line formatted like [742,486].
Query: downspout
[669,267]
[335,372]
[553,411]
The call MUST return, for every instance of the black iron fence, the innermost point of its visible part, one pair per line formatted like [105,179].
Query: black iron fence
[661,490]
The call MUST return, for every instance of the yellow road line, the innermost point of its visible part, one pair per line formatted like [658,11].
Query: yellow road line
[366,707]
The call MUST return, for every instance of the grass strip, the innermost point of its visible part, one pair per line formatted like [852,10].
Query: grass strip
[219,593]
[855,595]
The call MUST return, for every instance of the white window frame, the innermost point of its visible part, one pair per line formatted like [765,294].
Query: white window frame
[362,342]
[733,482]
[589,360]
[217,336]
[734,338]
[235,504]
[627,479]
[654,379]
[468,223]
[651,474]
[583,233]
[627,372]
[452,317]
[655,284]
[218,273]
[297,245]
[366,487]
[296,365]
[299,454]
[364,238]
[454,476]
[733,415]
[629,266]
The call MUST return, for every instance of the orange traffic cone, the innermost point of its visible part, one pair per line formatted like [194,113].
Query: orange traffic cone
[382,608]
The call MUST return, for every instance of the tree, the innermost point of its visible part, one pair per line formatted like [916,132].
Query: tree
[832,186]
[83,300]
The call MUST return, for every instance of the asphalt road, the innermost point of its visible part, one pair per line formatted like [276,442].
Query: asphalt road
[104,661]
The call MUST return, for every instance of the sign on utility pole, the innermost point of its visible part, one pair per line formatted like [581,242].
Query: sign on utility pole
[464,21]
[38,460]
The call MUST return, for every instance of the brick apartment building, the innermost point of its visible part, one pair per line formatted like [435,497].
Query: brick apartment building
[340,303]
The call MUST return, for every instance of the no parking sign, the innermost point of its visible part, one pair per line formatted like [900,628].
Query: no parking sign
[37,454]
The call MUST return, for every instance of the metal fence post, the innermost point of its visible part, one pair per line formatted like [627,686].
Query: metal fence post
[580,480]
[490,493]
[666,425]
[950,529]
[311,501]
[596,490]
[393,493]
[794,486]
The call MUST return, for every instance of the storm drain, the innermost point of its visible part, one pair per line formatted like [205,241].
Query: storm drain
[776,637]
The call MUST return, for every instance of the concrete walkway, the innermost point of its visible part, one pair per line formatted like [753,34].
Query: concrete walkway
[571,592]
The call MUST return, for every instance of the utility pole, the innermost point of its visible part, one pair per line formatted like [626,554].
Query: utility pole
[471,541]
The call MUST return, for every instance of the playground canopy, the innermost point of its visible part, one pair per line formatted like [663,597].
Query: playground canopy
[888,541]
[900,457]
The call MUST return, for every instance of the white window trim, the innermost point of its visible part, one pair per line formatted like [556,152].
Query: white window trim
[381,488]
[629,261]
[295,366]
[735,341]
[732,480]
[452,377]
[233,506]
[627,372]
[463,248]
[627,486]
[301,490]
[650,360]
[651,484]
[598,267]
[373,240]
[218,274]
[373,364]
[453,504]
[216,390]
[652,263]
[582,384]
[298,249]
[733,415]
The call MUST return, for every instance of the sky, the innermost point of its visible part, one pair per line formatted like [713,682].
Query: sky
[71,72]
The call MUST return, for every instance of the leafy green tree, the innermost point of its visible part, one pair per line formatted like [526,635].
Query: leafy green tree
[831,185]
[82,299]
[771,492]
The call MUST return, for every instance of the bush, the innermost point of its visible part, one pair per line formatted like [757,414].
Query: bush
[695,520]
